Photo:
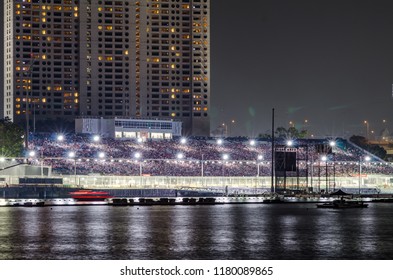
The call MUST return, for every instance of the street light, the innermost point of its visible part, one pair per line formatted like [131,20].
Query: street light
[96,138]
[224,157]
[60,137]
[361,160]
[72,155]
[225,130]
[252,142]
[30,154]
[305,125]
[367,128]
[259,159]
[231,124]
[289,143]
[333,144]
[325,159]
[202,162]
[138,157]
[183,141]
[220,141]
[179,156]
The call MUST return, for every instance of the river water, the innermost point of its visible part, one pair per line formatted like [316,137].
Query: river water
[259,231]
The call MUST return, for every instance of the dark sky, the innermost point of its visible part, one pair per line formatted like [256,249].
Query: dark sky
[327,61]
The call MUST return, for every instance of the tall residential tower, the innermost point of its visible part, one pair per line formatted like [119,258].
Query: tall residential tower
[147,59]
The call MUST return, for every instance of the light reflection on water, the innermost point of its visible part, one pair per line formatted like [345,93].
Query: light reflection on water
[290,231]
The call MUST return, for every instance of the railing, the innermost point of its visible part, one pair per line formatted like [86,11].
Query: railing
[384,184]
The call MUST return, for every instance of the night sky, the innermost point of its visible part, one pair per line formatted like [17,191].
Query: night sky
[327,61]
[330,62]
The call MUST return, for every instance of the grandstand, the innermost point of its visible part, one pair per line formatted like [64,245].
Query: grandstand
[79,158]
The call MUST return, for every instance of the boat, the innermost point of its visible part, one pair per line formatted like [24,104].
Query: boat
[342,203]
[90,195]
[274,199]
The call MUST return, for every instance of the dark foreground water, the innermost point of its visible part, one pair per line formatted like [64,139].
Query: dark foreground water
[290,231]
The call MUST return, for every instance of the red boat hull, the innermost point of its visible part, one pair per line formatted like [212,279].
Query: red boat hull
[87,195]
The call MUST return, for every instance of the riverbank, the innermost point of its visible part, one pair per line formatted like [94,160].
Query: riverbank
[149,201]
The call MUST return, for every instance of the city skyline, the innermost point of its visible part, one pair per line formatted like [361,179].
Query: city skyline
[328,63]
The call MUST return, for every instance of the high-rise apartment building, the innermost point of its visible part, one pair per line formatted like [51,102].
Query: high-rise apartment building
[129,58]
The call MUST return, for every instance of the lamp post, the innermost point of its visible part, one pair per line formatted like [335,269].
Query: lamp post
[367,128]
[259,158]
[289,143]
[224,130]
[72,155]
[183,141]
[96,138]
[138,156]
[332,144]
[180,156]
[42,161]
[231,124]
[202,162]
[324,158]
[31,154]
[366,158]
[224,157]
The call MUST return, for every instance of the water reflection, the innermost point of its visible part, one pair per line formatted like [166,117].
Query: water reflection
[294,231]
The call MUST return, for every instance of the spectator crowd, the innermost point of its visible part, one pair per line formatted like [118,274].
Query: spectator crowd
[82,155]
